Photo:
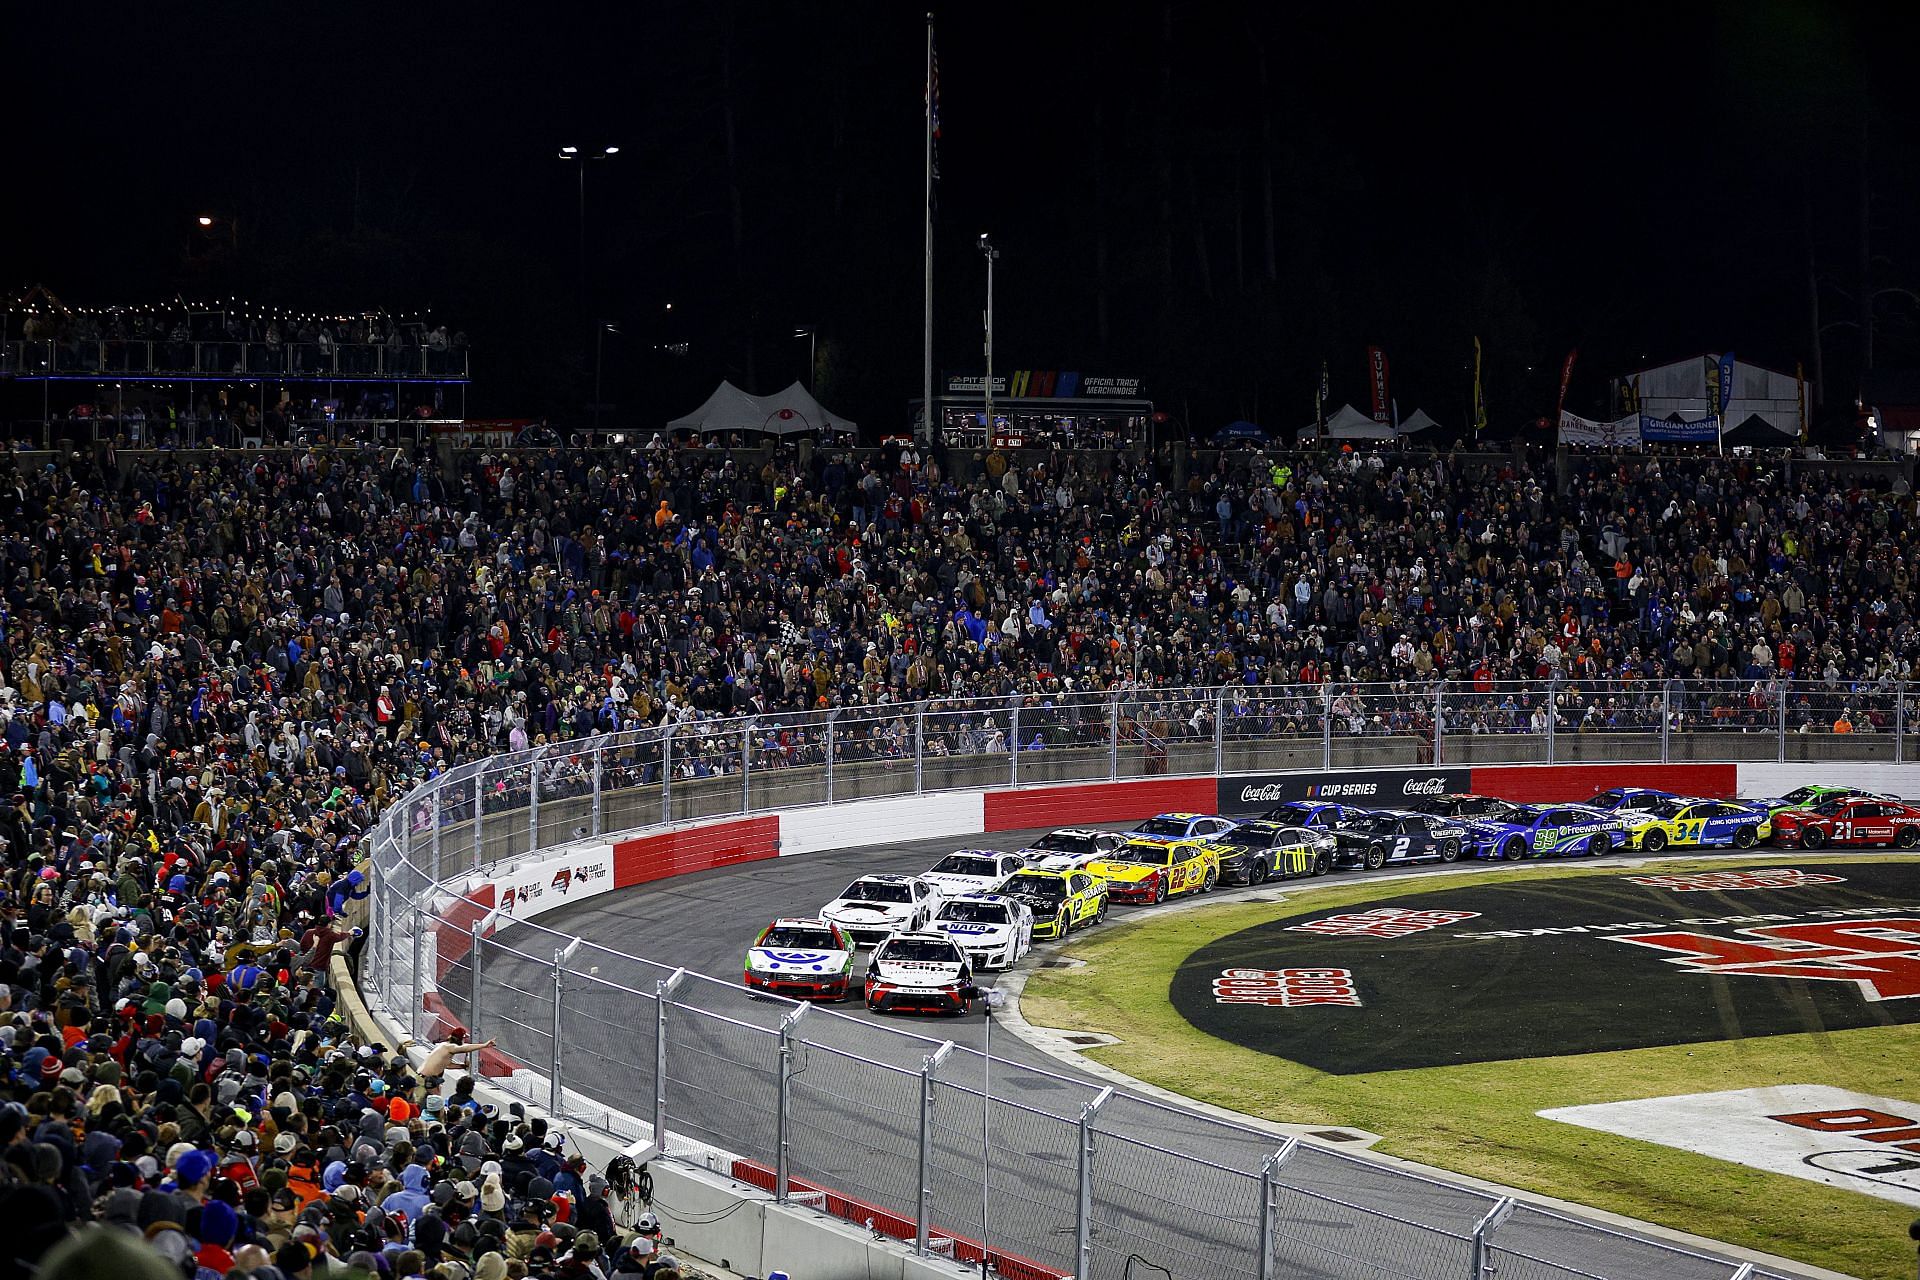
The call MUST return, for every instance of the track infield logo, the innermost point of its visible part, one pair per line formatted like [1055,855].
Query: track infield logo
[1718,881]
[1286,988]
[1857,1141]
[1382,922]
[1881,957]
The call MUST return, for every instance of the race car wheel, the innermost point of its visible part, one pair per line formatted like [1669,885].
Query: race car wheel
[1449,851]
[1746,837]
[1322,864]
[1907,837]
[1100,910]
[1062,924]
[1514,849]
[1257,870]
[1159,892]
[1376,857]
[1655,841]
[1812,838]
[1212,881]
[873,1006]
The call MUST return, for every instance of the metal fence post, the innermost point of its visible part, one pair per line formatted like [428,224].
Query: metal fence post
[479,803]
[1483,1232]
[666,774]
[533,804]
[1666,721]
[1780,723]
[784,1100]
[433,828]
[922,1203]
[599,763]
[1900,722]
[746,767]
[1113,737]
[476,937]
[554,1107]
[1220,731]
[1326,725]
[832,715]
[1553,715]
[1013,741]
[919,748]
[419,1003]
[1269,1171]
[1083,1212]
[662,990]
[1439,714]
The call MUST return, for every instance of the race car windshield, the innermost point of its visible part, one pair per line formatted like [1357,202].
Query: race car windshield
[1800,795]
[1830,807]
[1245,839]
[796,938]
[1040,888]
[975,912]
[1504,812]
[966,864]
[1667,809]
[1606,798]
[877,891]
[1162,827]
[1374,822]
[918,950]
[1062,842]
[1147,855]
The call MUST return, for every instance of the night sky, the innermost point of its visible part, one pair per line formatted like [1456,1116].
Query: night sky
[1642,183]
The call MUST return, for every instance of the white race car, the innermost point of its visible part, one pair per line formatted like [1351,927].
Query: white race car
[806,959]
[873,907]
[1071,848]
[994,930]
[972,871]
[922,971]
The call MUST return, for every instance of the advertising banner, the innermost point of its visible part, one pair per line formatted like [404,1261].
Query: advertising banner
[1672,431]
[1365,788]
[1622,433]
[1377,380]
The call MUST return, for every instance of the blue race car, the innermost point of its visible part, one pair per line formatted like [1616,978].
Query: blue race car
[1630,798]
[1536,831]
[1321,815]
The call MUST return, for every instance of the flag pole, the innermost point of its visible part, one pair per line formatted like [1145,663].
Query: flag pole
[927,433]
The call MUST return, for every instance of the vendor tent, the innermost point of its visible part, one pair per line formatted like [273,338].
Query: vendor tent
[1760,433]
[785,413]
[1419,421]
[1351,424]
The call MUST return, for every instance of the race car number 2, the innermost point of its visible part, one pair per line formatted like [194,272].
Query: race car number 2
[1286,988]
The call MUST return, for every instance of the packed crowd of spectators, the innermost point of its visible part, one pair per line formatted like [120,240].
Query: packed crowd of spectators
[220,668]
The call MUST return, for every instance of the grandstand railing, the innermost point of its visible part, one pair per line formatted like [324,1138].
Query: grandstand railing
[1062,1189]
[70,358]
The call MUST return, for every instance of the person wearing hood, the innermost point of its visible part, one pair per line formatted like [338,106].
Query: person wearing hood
[412,1197]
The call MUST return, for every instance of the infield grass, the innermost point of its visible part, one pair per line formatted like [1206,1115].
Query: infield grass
[1479,1119]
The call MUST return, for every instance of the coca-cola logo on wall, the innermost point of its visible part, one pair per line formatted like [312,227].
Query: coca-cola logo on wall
[1371,788]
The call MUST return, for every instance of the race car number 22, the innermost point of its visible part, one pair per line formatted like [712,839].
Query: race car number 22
[1286,988]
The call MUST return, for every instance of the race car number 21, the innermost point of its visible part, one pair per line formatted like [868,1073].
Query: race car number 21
[1286,988]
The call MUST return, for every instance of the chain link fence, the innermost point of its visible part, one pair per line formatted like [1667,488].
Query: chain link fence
[1045,1174]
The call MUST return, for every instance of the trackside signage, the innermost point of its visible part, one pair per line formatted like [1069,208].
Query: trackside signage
[1856,1141]
[1366,788]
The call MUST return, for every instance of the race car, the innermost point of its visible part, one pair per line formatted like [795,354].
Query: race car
[1457,804]
[992,928]
[1529,831]
[805,959]
[1809,796]
[1854,819]
[1061,901]
[874,906]
[1372,840]
[1152,870]
[924,971]
[1070,848]
[972,870]
[1688,824]
[1311,813]
[1630,799]
[1171,827]
[1254,851]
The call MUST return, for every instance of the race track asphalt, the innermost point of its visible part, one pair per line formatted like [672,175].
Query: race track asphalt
[1173,1190]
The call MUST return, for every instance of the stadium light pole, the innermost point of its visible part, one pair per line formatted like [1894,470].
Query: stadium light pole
[582,159]
[991,254]
[601,329]
[812,335]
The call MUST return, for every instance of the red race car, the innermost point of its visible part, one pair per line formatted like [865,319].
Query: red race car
[1849,820]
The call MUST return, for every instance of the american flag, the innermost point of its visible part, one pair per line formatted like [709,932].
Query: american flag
[933,98]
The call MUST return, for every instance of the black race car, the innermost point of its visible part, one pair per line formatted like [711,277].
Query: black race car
[1458,804]
[1318,814]
[1374,839]
[1253,852]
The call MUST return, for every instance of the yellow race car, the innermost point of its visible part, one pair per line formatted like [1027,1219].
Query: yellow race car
[1061,901]
[1154,870]
[1695,823]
